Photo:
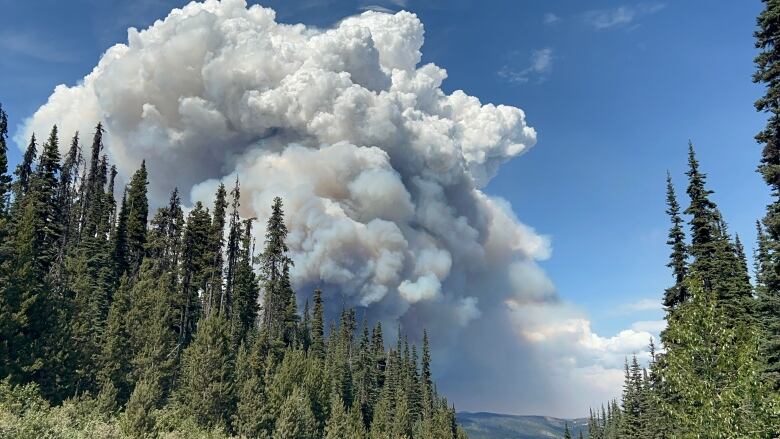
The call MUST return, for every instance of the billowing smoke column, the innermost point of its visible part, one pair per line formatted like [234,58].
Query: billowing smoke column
[380,170]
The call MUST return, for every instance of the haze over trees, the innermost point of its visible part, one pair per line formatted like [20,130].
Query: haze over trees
[119,322]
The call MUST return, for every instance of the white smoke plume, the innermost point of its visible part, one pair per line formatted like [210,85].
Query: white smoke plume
[380,170]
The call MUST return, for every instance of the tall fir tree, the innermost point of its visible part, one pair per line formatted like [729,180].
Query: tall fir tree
[678,259]
[767,73]
[275,264]
[216,242]
[206,387]
[137,216]
[5,178]
[24,170]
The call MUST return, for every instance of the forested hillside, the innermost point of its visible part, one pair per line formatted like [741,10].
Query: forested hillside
[118,323]
[718,375]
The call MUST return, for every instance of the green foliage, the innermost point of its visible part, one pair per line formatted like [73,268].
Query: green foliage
[206,386]
[768,258]
[712,368]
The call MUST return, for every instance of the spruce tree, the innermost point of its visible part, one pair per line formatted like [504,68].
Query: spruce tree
[767,74]
[716,261]
[114,355]
[245,288]
[24,170]
[676,294]
[137,216]
[275,265]
[232,253]
[206,388]
[119,240]
[216,241]
[296,420]
[317,327]
[5,179]
[195,267]
[337,426]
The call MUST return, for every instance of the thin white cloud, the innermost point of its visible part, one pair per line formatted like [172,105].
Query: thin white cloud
[641,305]
[621,16]
[540,65]
[550,18]
[32,46]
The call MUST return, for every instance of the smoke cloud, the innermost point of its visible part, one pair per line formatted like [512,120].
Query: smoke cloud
[380,170]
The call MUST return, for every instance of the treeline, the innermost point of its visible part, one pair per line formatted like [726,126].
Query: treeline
[114,325]
[719,374]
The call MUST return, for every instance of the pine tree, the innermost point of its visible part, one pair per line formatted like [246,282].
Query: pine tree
[206,388]
[703,221]
[768,306]
[337,426]
[676,294]
[296,420]
[138,419]
[245,288]
[275,265]
[152,343]
[252,417]
[716,261]
[632,400]
[114,356]
[119,254]
[195,267]
[317,326]
[137,216]
[24,170]
[5,179]
[566,432]
[216,241]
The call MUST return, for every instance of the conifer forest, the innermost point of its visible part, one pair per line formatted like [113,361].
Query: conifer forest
[119,319]
[118,323]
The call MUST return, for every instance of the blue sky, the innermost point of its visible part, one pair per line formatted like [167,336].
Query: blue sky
[614,89]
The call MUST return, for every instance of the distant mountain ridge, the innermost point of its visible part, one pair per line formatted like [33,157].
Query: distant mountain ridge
[484,425]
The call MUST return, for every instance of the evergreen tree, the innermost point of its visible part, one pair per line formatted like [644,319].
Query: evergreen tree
[206,388]
[632,401]
[5,179]
[137,216]
[31,314]
[24,170]
[233,250]
[216,242]
[245,289]
[317,326]
[337,426]
[711,367]
[195,270]
[296,420]
[767,73]
[716,261]
[566,432]
[274,266]
[676,294]
[114,355]
[119,240]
